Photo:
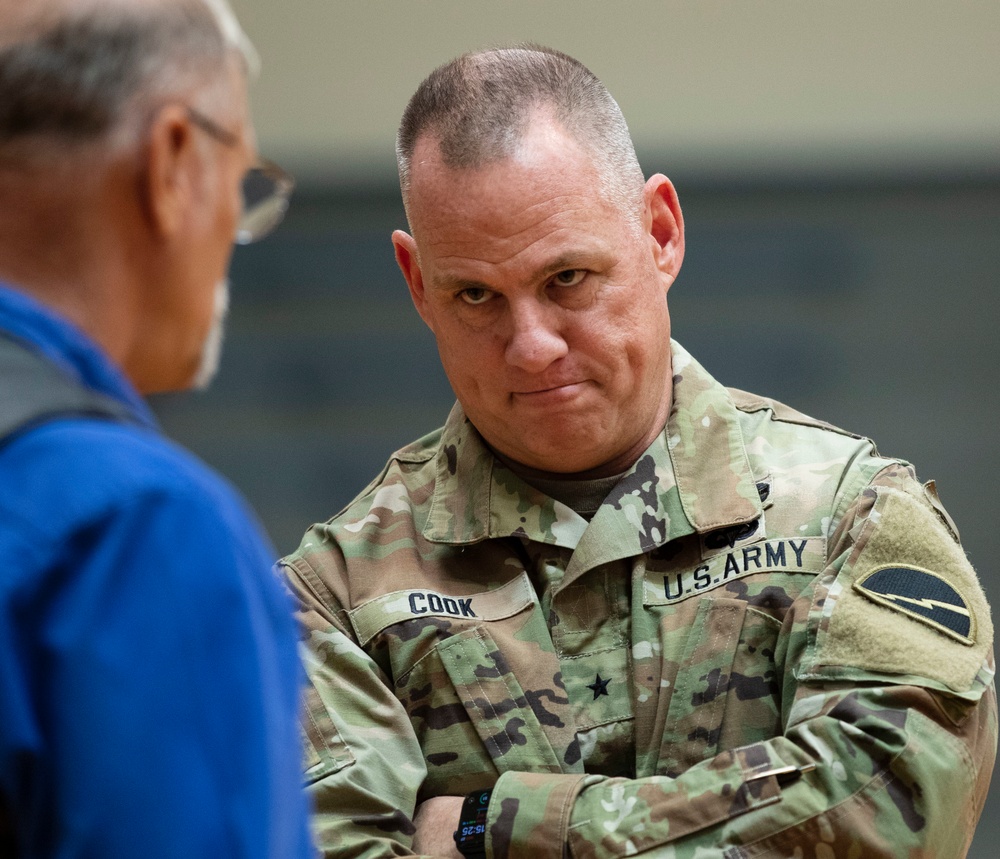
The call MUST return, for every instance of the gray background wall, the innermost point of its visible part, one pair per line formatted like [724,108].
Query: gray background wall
[839,169]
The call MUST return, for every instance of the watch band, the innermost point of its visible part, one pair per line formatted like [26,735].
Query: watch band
[470,837]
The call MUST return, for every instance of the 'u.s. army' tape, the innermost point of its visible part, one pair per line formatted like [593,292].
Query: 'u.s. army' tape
[802,555]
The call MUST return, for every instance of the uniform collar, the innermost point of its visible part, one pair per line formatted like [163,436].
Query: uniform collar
[705,440]
[694,477]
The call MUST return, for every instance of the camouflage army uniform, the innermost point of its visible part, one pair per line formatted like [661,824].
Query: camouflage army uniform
[766,642]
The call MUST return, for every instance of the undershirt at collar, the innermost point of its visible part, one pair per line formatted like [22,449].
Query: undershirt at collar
[584,497]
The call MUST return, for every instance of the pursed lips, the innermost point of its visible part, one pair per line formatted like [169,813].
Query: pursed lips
[550,391]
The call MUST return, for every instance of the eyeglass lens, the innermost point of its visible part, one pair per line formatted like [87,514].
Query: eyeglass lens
[265,200]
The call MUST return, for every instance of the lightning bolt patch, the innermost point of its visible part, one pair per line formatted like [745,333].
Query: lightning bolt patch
[922,595]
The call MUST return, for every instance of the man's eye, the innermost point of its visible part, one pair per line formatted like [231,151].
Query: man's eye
[474,295]
[570,277]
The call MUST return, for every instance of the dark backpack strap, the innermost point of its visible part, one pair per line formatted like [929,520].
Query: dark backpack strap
[33,390]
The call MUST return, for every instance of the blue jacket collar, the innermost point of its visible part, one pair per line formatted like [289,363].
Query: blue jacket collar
[69,348]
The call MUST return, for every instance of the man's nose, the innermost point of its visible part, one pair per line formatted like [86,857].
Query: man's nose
[535,338]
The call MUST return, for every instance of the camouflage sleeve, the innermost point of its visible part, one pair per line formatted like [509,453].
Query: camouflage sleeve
[363,765]
[889,721]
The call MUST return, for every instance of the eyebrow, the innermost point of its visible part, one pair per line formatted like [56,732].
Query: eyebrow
[564,262]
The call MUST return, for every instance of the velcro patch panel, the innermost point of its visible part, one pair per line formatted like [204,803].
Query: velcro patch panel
[907,602]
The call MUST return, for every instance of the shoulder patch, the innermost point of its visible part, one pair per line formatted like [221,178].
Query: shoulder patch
[923,595]
[906,602]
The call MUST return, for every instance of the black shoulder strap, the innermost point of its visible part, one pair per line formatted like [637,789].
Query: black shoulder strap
[33,389]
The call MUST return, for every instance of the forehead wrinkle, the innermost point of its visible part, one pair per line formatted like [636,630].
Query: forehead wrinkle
[560,246]
[543,174]
[524,213]
[476,226]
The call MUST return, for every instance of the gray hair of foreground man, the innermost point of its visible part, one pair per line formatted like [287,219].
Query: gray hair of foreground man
[76,72]
[479,106]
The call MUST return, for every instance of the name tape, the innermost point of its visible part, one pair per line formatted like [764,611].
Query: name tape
[371,617]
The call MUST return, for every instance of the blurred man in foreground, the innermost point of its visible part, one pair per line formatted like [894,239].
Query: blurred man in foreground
[148,675]
[613,608]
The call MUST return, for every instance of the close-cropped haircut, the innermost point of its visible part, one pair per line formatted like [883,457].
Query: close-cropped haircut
[82,72]
[478,108]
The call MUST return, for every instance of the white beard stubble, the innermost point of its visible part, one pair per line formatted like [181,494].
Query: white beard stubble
[211,349]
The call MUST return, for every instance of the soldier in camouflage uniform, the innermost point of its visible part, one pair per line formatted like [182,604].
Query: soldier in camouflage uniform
[655,615]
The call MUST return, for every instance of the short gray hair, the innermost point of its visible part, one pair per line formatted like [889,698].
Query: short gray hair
[81,72]
[479,106]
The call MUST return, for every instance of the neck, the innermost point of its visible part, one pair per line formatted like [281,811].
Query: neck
[59,244]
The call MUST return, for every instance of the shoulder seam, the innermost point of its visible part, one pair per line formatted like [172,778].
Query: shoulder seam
[782,413]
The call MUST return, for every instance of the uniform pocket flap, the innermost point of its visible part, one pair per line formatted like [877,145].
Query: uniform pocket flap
[496,703]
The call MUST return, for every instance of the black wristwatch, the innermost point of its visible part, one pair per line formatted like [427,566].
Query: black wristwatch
[470,837]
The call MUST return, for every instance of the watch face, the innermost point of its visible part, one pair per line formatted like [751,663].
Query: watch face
[470,832]
[470,837]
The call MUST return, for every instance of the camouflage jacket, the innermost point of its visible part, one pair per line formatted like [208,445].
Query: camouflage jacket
[766,642]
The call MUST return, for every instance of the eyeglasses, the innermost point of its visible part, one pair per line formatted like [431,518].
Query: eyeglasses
[266,187]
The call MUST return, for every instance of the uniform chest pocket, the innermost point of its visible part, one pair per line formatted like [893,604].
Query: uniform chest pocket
[474,717]
[507,718]
[727,692]
[483,695]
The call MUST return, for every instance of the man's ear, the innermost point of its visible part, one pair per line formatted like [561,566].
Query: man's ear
[168,180]
[406,257]
[665,223]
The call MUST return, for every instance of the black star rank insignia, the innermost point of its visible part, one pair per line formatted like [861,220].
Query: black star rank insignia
[599,687]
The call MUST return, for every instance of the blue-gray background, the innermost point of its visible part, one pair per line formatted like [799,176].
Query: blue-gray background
[839,171]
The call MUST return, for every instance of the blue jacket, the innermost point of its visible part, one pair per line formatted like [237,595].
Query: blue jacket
[149,683]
